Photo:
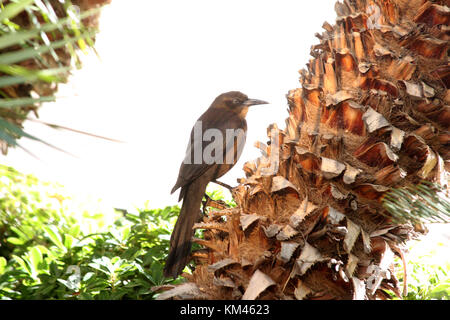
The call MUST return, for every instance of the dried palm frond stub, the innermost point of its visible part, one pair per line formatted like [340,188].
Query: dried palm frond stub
[39,44]
[370,122]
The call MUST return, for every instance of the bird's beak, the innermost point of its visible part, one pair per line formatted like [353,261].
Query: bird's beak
[252,102]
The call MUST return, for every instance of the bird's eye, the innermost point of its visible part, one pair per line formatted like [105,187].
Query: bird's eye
[236,101]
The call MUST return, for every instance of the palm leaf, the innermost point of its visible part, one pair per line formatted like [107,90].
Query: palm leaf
[24,54]
[21,75]
[20,102]
[14,8]
[59,127]
[20,36]
[10,127]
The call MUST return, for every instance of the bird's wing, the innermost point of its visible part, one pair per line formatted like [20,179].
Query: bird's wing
[194,165]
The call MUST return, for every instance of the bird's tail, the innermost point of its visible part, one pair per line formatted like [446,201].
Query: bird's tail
[180,241]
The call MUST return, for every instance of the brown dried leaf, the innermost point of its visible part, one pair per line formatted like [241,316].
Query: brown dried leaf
[272,230]
[301,291]
[427,90]
[352,263]
[221,264]
[287,250]
[211,225]
[441,173]
[334,216]
[433,14]
[376,155]
[366,241]
[374,120]
[286,233]
[262,147]
[336,193]
[381,232]
[397,137]
[389,175]
[245,262]
[305,208]
[417,148]
[382,51]
[224,282]
[371,191]
[429,164]
[163,287]
[350,174]
[338,97]
[256,189]
[380,271]
[363,67]
[353,231]
[413,89]
[213,245]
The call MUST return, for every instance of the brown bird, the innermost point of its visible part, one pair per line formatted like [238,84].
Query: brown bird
[216,143]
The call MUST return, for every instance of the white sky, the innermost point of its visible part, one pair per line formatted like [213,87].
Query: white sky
[162,64]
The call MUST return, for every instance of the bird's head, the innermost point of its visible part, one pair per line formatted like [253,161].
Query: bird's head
[237,102]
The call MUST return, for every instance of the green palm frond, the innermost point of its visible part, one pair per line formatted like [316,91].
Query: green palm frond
[424,202]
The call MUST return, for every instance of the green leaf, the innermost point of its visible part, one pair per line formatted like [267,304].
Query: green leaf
[15,38]
[35,258]
[68,241]
[54,236]
[44,250]
[21,75]
[88,276]
[3,264]
[98,267]
[104,295]
[126,233]
[22,263]
[74,230]
[20,233]
[18,131]
[157,273]
[66,283]
[10,140]
[13,9]
[86,296]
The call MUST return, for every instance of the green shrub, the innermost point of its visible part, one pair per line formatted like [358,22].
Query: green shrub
[52,250]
